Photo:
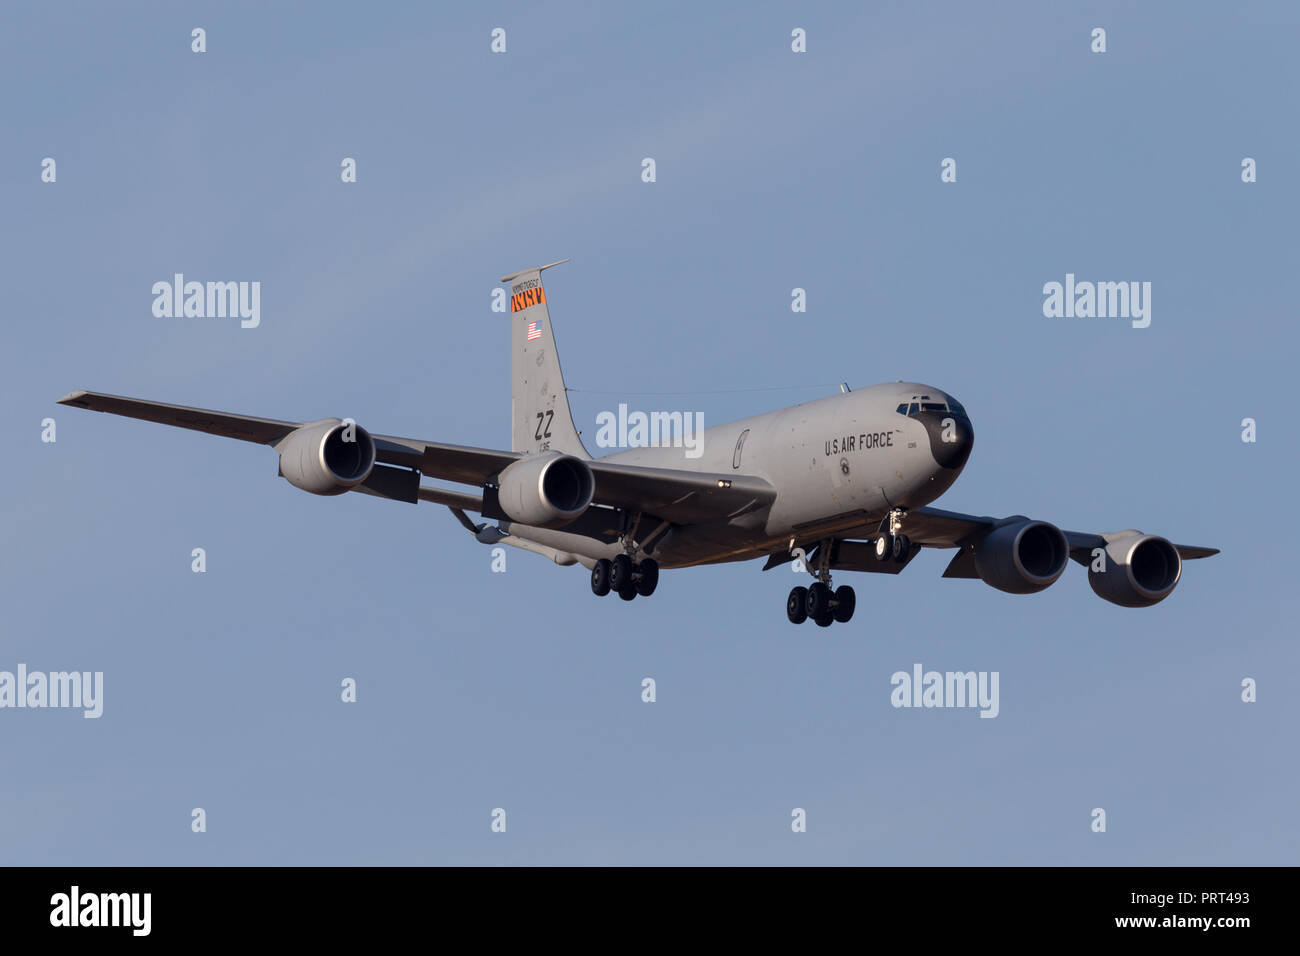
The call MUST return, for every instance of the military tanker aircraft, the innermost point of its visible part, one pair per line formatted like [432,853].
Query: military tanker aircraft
[842,483]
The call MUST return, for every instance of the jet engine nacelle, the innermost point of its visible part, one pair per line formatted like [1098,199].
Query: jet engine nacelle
[1022,556]
[1140,570]
[546,491]
[327,457]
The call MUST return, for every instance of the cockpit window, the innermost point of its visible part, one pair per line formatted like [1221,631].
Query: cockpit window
[927,403]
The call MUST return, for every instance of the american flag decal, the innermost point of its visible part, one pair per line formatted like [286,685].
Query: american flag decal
[534,330]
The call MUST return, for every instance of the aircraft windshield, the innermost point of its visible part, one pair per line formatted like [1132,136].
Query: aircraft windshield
[928,403]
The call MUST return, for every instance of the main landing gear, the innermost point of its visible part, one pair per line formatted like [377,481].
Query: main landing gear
[818,601]
[623,574]
[625,577]
[821,604]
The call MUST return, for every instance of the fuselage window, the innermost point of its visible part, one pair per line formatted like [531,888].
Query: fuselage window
[933,407]
[913,408]
[902,409]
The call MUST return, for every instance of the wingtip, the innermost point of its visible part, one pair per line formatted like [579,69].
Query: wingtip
[73,397]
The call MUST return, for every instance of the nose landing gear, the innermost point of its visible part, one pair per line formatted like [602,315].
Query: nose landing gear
[893,545]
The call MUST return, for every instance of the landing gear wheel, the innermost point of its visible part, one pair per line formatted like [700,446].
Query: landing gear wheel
[819,603]
[796,606]
[620,572]
[647,577]
[825,620]
[628,591]
[884,547]
[600,578]
[846,602]
[902,547]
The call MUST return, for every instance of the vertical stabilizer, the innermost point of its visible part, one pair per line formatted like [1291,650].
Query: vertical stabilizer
[540,416]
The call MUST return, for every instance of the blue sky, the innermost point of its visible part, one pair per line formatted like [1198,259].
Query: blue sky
[774,171]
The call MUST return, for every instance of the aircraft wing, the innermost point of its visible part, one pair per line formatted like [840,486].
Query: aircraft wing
[264,431]
[450,462]
[936,528]
[682,497]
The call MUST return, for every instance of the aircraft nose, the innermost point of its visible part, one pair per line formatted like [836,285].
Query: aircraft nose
[951,437]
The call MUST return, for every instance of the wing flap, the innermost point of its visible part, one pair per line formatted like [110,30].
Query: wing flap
[456,500]
[936,528]
[861,556]
[962,565]
[459,463]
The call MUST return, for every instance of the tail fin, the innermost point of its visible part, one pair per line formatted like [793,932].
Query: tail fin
[539,406]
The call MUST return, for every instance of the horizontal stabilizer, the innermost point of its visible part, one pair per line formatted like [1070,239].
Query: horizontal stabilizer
[523,272]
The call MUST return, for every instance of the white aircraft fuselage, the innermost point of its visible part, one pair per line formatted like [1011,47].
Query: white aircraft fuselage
[838,464]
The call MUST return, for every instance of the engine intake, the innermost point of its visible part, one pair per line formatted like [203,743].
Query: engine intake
[1022,556]
[1139,570]
[327,458]
[546,491]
